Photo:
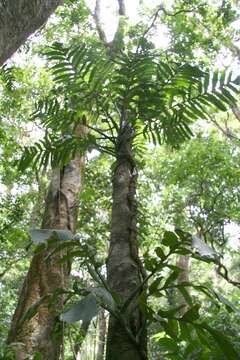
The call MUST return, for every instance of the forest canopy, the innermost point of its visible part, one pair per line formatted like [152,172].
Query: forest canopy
[119,181]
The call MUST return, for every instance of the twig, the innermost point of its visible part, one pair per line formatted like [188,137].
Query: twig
[155,17]
[101,133]
[226,132]
[97,18]
[223,272]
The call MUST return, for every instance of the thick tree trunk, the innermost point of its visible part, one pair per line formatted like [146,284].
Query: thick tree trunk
[102,335]
[40,334]
[19,19]
[124,268]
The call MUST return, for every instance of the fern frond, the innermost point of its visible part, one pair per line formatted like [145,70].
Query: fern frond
[7,77]
[55,151]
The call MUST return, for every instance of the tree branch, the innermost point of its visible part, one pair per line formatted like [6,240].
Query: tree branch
[97,18]
[226,131]
[122,8]
[223,272]
[154,18]
[110,46]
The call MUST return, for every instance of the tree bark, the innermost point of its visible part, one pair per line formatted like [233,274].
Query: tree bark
[124,268]
[44,277]
[77,346]
[19,19]
[183,263]
[102,335]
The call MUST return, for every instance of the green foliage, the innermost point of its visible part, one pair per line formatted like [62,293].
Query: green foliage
[39,236]
[162,100]
[84,310]
[7,77]
[199,35]
[185,333]
[197,185]
[164,97]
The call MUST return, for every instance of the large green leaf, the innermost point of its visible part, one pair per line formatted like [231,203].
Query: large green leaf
[41,236]
[192,314]
[104,298]
[204,250]
[170,239]
[84,310]
[223,342]
[167,344]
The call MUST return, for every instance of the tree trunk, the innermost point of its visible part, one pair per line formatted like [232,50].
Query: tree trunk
[19,19]
[124,268]
[183,263]
[83,332]
[43,332]
[102,335]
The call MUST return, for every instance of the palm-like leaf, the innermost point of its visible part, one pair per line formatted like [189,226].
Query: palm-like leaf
[161,100]
[7,76]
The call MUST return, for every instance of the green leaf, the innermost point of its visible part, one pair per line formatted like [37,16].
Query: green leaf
[160,253]
[206,82]
[222,78]
[186,330]
[223,342]
[185,294]
[216,102]
[192,314]
[170,280]
[154,286]
[40,248]
[214,80]
[84,310]
[204,250]
[37,356]
[170,239]
[228,304]
[40,236]
[104,298]
[229,96]
[168,344]
[185,237]
[171,312]
[237,80]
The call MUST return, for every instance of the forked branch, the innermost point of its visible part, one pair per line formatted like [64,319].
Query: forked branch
[156,14]
[102,35]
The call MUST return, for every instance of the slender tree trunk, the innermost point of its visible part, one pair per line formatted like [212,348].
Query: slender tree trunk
[102,335]
[183,263]
[124,268]
[83,332]
[19,19]
[43,332]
